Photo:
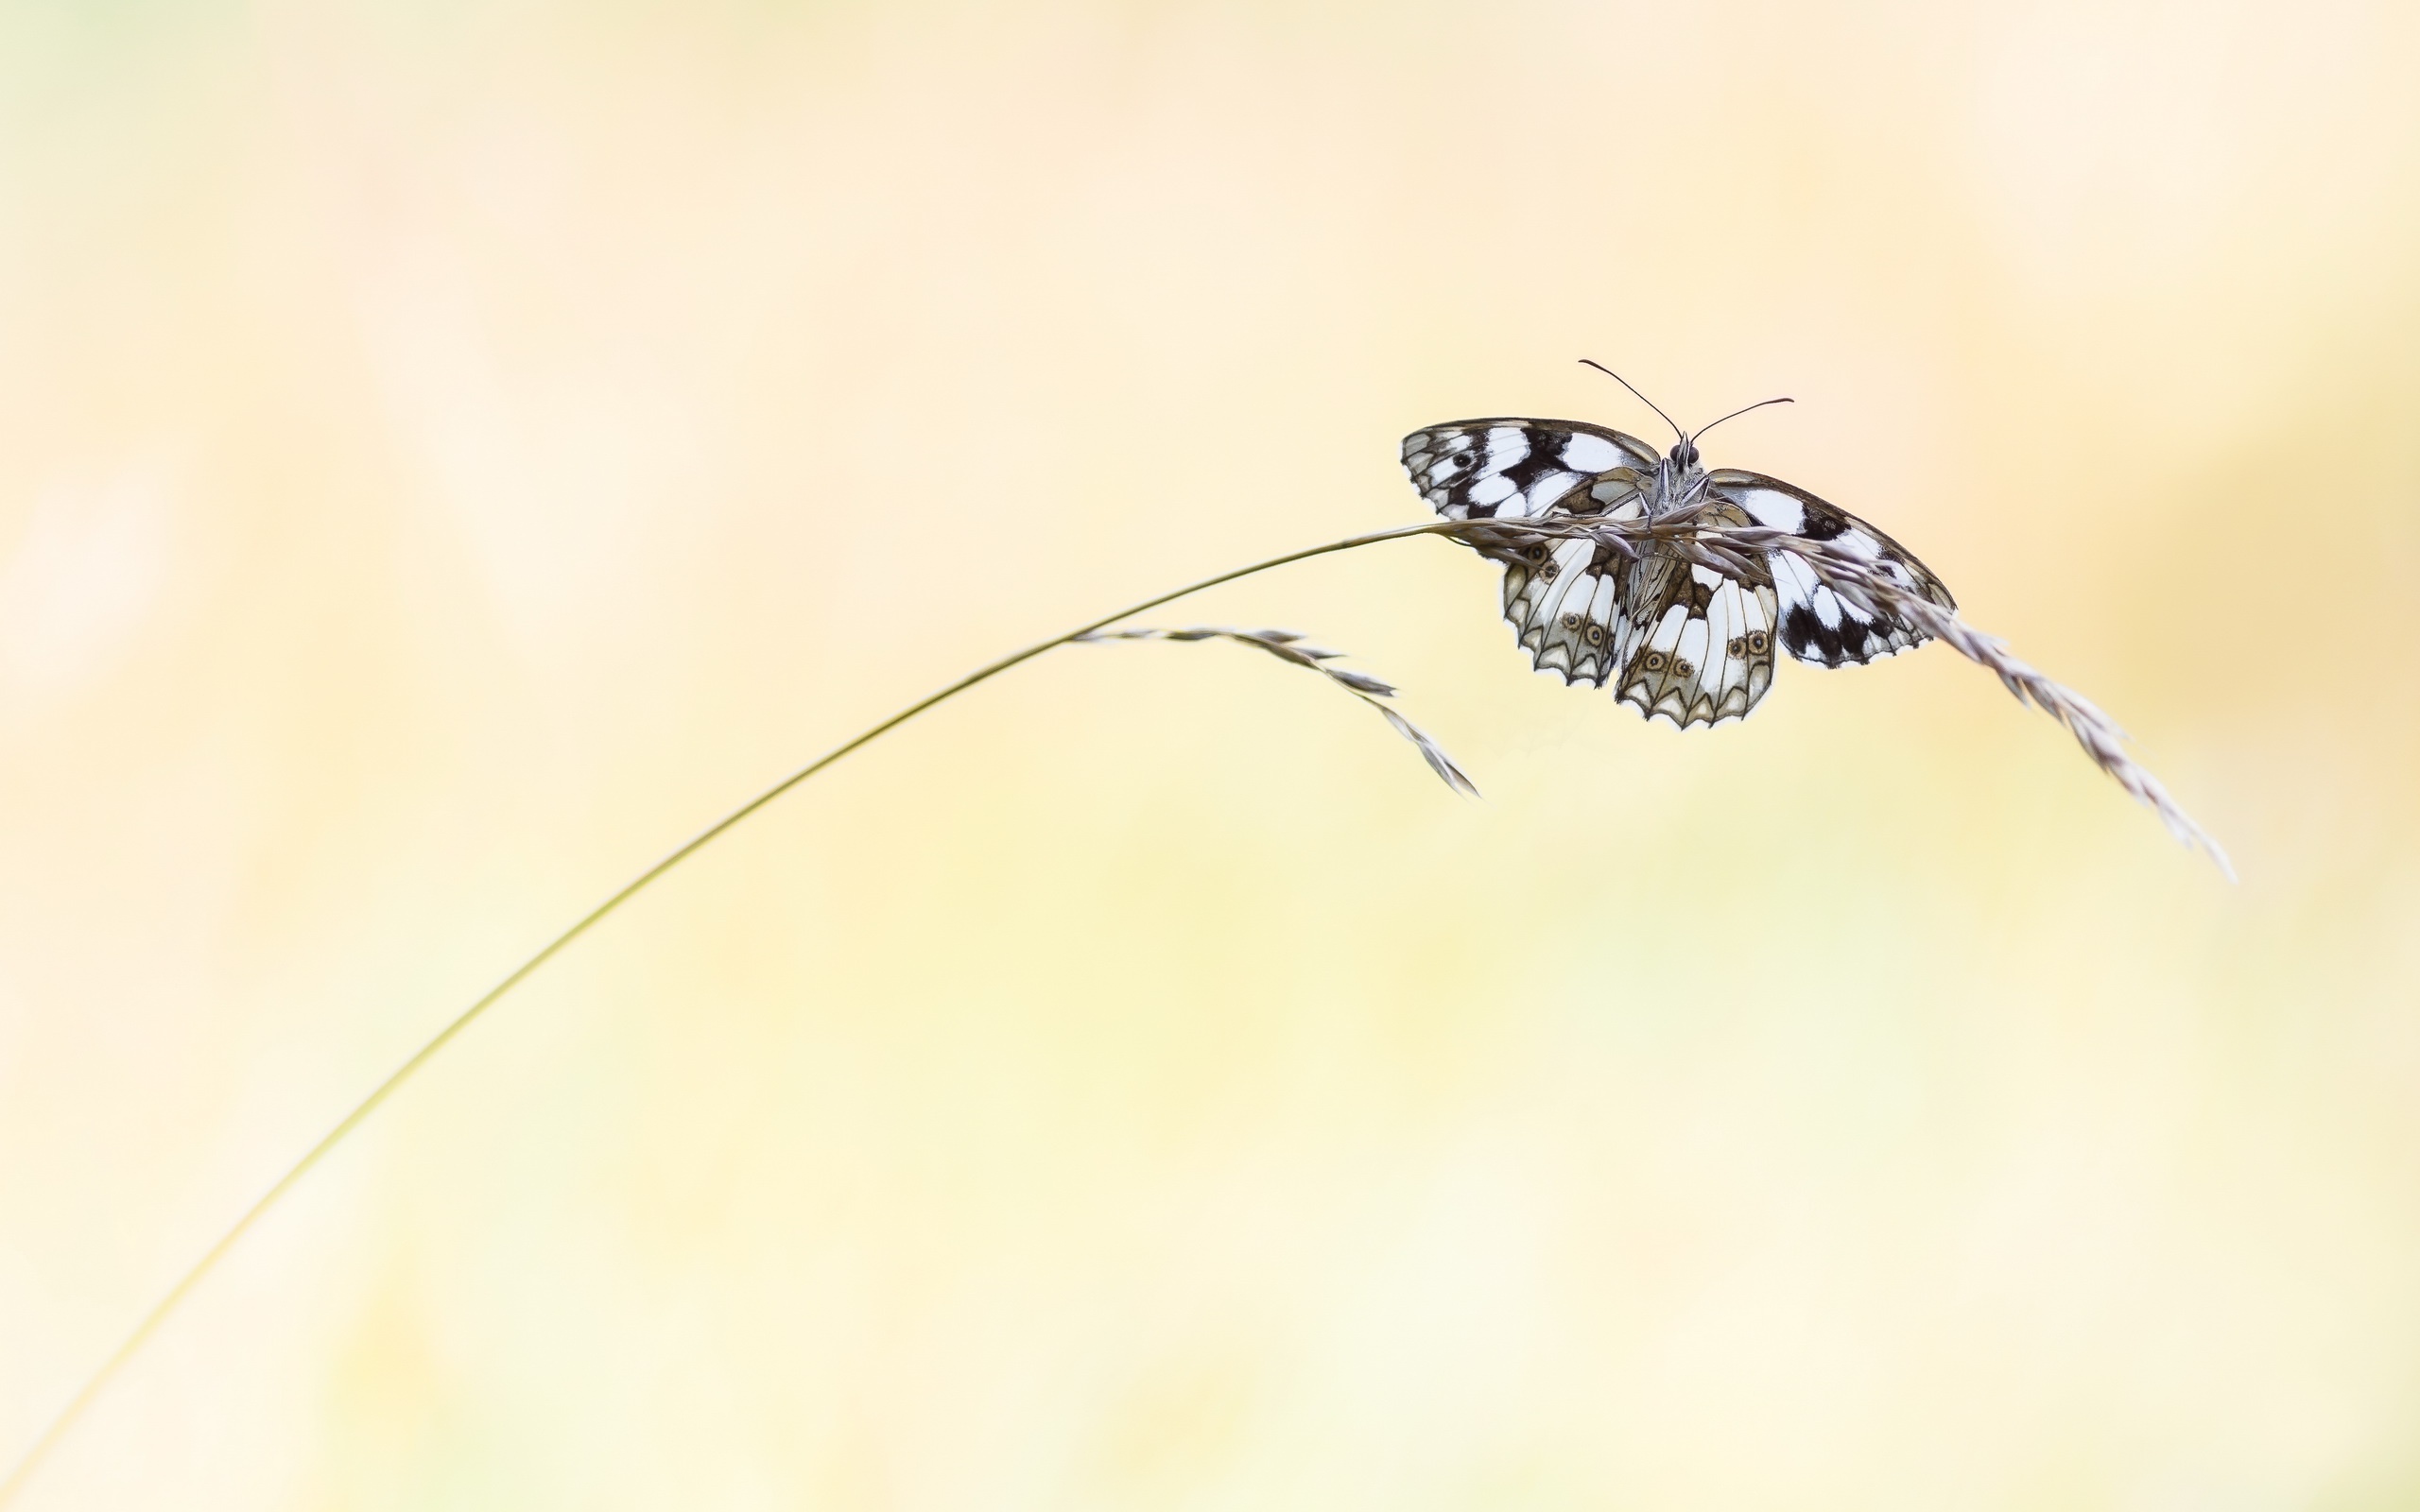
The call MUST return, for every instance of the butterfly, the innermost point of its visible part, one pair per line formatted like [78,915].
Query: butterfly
[1673,637]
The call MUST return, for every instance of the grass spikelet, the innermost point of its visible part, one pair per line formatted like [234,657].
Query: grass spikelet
[1286,645]
[2101,738]
[1735,552]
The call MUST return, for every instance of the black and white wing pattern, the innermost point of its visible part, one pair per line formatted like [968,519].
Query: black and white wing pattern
[1694,645]
[1814,624]
[1522,469]
[1562,597]
[1674,638]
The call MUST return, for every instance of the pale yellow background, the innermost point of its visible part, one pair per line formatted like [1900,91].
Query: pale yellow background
[449,452]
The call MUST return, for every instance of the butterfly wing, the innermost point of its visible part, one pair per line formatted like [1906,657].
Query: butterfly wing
[1522,469]
[1814,623]
[1561,596]
[1694,645]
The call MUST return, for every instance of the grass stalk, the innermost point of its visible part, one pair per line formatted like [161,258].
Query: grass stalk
[1735,550]
[168,1303]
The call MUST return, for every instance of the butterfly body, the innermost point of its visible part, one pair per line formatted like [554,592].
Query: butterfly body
[1673,637]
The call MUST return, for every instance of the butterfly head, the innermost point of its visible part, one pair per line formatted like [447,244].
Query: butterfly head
[1678,478]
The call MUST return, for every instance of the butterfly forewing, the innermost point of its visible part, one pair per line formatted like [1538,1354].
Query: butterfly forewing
[1521,469]
[1816,625]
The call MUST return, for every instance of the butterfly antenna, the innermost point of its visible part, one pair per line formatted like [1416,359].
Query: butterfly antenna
[1642,398]
[1737,413]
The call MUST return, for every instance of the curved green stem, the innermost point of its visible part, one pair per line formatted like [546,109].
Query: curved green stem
[192,1276]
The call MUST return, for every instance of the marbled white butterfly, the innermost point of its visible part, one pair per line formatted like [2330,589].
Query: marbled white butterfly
[1675,639]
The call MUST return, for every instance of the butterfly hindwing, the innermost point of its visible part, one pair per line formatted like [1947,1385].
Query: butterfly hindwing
[1561,597]
[1696,646]
[1815,624]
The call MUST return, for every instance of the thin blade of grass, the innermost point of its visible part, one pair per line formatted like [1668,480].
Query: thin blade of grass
[160,1311]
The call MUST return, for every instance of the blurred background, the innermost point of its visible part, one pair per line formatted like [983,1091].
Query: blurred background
[451,453]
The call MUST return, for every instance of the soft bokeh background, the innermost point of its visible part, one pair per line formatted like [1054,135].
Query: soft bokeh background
[450,453]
